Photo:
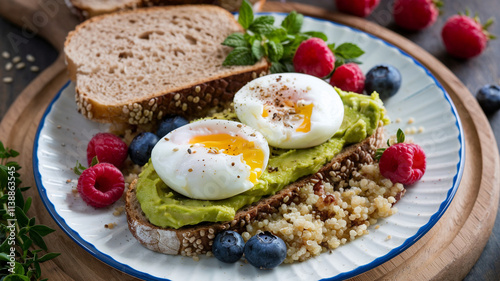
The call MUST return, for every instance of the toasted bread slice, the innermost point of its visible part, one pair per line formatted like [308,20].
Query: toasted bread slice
[137,66]
[193,240]
[91,8]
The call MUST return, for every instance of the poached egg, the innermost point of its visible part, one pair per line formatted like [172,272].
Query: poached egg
[211,159]
[291,110]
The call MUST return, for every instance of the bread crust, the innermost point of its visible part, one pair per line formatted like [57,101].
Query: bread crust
[190,100]
[198,239]
[84,11]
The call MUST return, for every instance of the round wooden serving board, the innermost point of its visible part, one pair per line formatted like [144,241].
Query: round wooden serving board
[447,252]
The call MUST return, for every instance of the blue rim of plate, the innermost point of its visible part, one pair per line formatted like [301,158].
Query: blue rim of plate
[360,269]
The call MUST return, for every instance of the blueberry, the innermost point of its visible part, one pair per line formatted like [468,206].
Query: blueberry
[141,146]
[228,246]
[384,79]
[169,124]
[489,98]
[265,250]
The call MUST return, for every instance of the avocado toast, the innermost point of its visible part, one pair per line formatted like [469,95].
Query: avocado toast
[192,232]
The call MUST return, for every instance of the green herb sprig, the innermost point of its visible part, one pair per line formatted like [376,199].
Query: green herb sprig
[20,236]
[277,43]
[400,138]
[79,168]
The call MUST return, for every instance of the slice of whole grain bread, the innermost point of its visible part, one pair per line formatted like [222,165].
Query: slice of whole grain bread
[137,66]
[198,239]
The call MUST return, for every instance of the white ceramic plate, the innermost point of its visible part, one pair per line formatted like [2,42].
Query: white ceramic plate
[63,135]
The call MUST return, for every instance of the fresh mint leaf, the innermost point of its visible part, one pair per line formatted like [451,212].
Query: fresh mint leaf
[291,46]
[47,257]
[79,168]
[27,243]
[277,67]
[27,204]
[3,178]
[235,40]
[43,230]
[6,153]
[21,217]
[38,270]
[257,49]
[13,153]
[13,164]
[316,34]
[293,22]
[348,51]
[22,231]
[19,198]
[278,34]
[263,20]
[275,51]
[379,153]
[19,269]
[339,61]
[38,240]
[94,161]
[251,38]
[400,136]
[240,56]
[289,66]
[277,43]
[263,29]
[32,221]
[4,257]
[245,17]
[282,67]
[4,247]
[2,150]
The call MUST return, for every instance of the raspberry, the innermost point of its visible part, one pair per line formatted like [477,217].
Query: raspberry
[101,185]
[360,8]
[403,162]
[416,14]
[464,37]
[313,57]
[108,148]
[348,77]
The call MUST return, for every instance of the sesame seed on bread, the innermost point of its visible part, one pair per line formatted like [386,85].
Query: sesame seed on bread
[137,66]
[198,239]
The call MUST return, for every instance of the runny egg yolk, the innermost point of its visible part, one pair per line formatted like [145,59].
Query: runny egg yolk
[303,111]
[234,145]
[306,112]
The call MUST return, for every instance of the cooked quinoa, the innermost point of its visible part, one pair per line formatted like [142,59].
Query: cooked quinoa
[326,215]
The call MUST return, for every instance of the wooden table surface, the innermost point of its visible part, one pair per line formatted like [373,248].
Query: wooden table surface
[474,73]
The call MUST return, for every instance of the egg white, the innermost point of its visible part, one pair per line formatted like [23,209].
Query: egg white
[326,118]
[193,171]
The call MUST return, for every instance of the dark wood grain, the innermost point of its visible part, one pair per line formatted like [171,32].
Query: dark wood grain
[15,43]
[474,73]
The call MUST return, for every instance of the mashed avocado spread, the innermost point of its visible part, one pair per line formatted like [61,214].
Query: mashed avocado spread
[166,208]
